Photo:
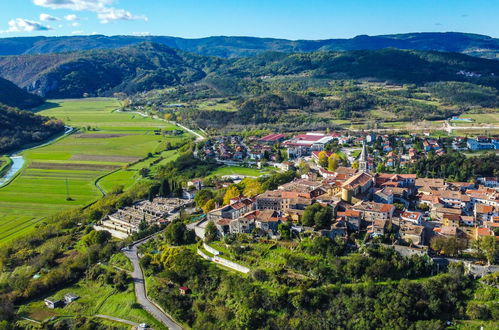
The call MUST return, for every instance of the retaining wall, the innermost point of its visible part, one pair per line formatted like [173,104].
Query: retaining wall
[224,262]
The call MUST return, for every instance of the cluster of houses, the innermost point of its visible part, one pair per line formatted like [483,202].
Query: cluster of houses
[392,151]
[225,148]
[410,209]
[128,220]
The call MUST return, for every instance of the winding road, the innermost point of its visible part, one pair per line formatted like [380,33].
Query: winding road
[140,288]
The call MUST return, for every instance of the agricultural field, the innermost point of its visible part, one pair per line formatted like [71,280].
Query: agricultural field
[63,174]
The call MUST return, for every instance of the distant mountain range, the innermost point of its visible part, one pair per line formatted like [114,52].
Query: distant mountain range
[230,47]
[148,66]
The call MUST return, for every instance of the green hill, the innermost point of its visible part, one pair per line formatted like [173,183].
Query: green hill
[21,127]
[102,72]
[149,66]
[14,96]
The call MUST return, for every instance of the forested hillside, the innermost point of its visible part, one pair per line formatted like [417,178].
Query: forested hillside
[102,72]
[18,127]
[14,96]
[222,46]
[150,66]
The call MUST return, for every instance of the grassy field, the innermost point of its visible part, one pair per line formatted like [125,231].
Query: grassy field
[481,118]
[237,170]
[105,141]
[94,299]
[5,163]
[217,104]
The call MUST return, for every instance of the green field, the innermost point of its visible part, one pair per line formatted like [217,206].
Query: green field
[94,299]
[5,164]
[105,141]
[237,170]
[217,104]
[481,118]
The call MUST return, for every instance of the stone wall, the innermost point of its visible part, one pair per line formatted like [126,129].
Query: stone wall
[211,250]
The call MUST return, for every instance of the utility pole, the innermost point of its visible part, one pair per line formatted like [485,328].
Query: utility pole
[68,198]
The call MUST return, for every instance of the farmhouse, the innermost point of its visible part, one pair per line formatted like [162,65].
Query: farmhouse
[53,303]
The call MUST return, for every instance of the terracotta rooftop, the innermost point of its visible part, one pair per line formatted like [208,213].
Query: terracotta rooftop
[374,207]
[359,179]
[485,209]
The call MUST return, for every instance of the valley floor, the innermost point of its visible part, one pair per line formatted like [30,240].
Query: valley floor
[107,148]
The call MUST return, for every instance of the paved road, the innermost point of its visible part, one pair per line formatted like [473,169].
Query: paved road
[140,289]
[199,137]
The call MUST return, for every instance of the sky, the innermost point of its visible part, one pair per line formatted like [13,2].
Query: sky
[289,19]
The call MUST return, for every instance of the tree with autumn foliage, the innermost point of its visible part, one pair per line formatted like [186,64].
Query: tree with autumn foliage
[333,162]
[323,160]
[232,192]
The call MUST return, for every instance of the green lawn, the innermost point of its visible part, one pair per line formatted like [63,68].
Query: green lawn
[236,170]
[71,165]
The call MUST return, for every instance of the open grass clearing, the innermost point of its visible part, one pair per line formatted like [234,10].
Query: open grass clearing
[217,104]
[243,171]
[481,118]
[94,299]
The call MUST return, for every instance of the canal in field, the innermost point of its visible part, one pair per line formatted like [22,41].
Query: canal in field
[17,165]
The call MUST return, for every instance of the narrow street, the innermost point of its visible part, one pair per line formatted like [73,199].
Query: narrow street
[140,288]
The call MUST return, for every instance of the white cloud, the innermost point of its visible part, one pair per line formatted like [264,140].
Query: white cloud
[141,34]
[77,32]
[105,12]
[47,17]
[75,24]
[71,17]
[25,25]
[113,14]
[77,5]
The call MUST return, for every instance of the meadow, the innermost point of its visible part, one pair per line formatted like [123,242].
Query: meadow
[63,174]
[238,170]
[95,298]
[481,118]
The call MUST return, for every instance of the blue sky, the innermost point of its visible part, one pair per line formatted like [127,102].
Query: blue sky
[291,19]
